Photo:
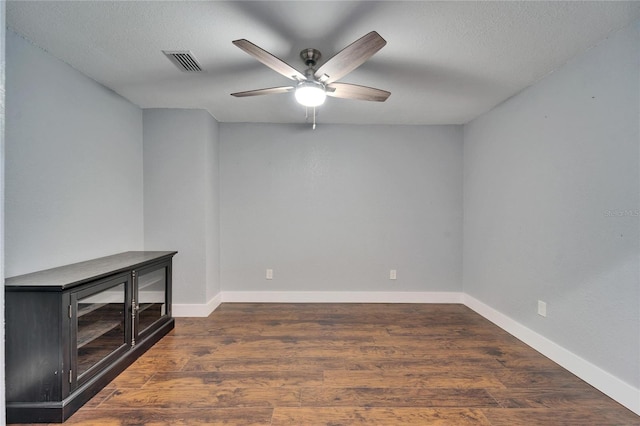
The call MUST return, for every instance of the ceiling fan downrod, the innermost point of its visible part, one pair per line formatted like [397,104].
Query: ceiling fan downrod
[310,57]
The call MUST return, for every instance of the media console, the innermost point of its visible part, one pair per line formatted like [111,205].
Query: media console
[71,330]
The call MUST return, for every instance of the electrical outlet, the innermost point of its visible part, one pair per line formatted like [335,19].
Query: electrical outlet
[392,274]
[542,308]
[269,275]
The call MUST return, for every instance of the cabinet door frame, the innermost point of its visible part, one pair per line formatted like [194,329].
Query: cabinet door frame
[75,380]
[166,265]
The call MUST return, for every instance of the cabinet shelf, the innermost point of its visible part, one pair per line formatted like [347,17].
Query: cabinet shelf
[97,329]
[88,308]
[145,306]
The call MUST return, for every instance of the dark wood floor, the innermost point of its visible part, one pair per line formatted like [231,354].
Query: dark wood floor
[346,364]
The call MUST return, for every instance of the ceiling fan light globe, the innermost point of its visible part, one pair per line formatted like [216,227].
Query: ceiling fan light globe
[310,94]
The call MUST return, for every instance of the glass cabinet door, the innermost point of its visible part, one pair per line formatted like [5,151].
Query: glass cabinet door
[100,325]
[152,297]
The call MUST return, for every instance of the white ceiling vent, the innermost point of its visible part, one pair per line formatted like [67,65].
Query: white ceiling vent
[184,60]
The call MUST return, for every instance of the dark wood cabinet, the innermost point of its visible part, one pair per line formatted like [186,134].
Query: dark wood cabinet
[71,330]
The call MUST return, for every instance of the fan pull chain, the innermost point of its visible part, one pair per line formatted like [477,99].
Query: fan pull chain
[306,116]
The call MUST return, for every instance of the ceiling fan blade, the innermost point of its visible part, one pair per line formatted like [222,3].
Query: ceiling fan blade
[353,91]
[276,64]
[350,58]
[269,91]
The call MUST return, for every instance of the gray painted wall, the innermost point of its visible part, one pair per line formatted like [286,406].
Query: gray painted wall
[551,201]
[212,210]
[73,164]
[2,159]
[336,208]
[181,198]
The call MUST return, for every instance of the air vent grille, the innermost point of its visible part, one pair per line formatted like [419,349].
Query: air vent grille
[184,60]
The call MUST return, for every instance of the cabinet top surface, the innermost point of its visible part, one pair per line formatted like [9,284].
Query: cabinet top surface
[67,276]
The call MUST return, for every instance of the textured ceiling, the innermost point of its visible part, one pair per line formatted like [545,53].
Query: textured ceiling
[445,62]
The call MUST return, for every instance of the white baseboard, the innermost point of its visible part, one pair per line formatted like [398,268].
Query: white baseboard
[340,297]
[608,384]
[196,310]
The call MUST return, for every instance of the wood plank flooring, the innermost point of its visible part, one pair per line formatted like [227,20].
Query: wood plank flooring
[346,364]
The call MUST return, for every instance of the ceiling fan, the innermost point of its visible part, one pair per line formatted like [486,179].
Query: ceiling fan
[314,85]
